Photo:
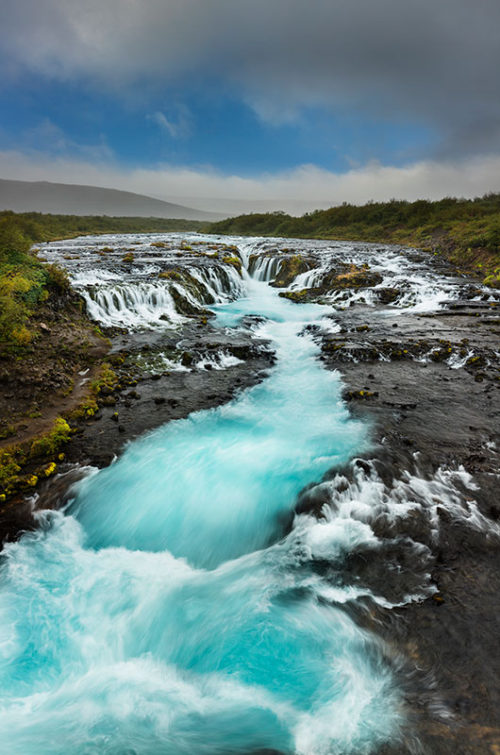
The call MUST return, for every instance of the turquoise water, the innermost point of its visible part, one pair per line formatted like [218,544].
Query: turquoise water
[168,614]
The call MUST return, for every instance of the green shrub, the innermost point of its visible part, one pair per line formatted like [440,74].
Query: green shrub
[57,278]
[50,443]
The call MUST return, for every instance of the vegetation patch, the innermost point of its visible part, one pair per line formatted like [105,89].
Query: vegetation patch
[174,275]
[295,296]
[22,466]
[234,261]
[51,442]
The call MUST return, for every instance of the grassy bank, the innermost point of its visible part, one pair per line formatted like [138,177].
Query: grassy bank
[46,342]
[466,231]
[26,283]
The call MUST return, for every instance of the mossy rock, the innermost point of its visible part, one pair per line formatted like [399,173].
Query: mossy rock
[440,355]
[476,361]
[234,261]
[354,278]
[185,307]
[170,275]
[291,267]
[362,395]
[296,296]
[197,289]
[387,295]
[333,346]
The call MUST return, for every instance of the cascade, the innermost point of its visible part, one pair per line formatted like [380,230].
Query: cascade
[138,303]
[264,268]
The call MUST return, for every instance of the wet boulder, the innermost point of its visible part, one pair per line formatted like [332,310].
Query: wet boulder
[291,267]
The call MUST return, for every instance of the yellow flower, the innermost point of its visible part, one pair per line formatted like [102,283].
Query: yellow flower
[50,469]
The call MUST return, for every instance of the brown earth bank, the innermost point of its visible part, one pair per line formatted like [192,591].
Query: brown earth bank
[43,384]
[51,375]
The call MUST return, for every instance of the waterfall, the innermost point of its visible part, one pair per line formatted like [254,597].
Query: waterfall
[263,267]
[223,283]
[137,303]
[131,305]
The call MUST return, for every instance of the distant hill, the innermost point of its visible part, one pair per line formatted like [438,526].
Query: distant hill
[73,199]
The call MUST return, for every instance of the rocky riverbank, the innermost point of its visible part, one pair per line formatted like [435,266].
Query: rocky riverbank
[429,384]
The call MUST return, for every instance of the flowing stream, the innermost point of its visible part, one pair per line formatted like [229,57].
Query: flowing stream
[166,612]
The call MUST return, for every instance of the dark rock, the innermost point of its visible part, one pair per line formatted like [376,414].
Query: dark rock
[387,295]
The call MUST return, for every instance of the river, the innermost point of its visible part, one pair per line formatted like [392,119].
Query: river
[176,606]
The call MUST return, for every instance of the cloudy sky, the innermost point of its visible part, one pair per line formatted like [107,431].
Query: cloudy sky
[290,103]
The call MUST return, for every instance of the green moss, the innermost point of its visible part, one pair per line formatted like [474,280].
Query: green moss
[295,296]
[106,381]
[476,361]
[290,267]
[129,257]
[171,275]
[362,395]
[493,280]
[116,359]
[352,277]
[11,461]
[234,261]
[51,442]
[87,408]
[7,432]
[333,346]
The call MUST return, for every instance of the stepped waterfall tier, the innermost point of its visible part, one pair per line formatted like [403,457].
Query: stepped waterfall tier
[231,582]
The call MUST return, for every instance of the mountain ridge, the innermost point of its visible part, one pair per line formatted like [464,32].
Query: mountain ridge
[83,199]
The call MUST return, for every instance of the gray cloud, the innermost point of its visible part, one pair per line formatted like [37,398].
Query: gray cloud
[421,60]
